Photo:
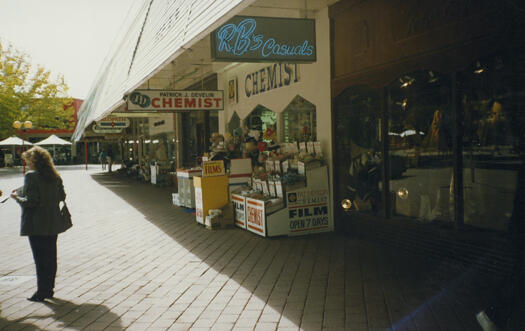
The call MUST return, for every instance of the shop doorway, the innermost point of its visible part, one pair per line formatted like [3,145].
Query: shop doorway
[357,157]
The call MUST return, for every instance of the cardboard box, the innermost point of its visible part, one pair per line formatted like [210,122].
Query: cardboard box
[224,220]
[235,181]
[210,193]
[241,166]
[176,199]
[185,186]
[227,216]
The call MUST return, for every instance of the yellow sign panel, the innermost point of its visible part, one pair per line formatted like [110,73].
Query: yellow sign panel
[213,168]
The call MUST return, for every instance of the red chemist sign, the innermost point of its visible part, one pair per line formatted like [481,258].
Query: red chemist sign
[171,101]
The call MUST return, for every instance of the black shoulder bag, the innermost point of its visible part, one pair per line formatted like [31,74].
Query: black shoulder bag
[66,217]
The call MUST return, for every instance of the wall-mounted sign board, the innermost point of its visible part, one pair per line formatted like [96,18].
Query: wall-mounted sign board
[264,39]
[114,122]
[173,101]
[98,129]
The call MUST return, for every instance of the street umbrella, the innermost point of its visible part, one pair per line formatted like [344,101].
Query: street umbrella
[14,141]
[53,140]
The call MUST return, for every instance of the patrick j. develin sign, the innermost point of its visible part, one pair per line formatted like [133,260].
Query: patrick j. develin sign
[265,39]
[169,101]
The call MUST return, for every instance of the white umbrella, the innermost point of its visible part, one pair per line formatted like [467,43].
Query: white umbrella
[14,141]
[53,140]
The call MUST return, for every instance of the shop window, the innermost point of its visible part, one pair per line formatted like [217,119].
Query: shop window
[299,121]
[235,124]
[358,156]
[420,146]
[259,120]
[492,101]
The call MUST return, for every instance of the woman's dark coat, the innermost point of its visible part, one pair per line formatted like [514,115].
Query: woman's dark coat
[39,199]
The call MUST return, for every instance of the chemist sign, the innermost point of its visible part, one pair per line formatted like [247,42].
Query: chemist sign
[264,39]
[173,101]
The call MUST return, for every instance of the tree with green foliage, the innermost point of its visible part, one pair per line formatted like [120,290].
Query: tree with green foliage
[29,93]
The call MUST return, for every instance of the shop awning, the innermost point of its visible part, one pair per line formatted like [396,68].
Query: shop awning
[156,33]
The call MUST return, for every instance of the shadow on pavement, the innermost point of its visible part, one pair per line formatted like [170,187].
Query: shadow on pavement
[432,295]
[6,324]
[65,314]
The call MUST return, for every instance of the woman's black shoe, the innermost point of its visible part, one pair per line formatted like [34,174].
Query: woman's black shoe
[37,297]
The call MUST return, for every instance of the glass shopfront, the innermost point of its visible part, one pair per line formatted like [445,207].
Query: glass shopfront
[491,92]
[419,112]
[420,146]
[358,157]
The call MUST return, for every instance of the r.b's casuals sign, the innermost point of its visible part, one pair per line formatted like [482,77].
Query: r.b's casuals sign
[264,39]
[170,101]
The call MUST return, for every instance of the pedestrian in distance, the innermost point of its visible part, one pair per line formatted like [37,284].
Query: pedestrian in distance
[103,160]
[41,221]
[109,159]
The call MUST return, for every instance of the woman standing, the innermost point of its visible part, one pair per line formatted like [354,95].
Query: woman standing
[41,221]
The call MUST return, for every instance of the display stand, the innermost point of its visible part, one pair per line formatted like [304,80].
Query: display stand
[210,193]
[185,186]
[307,210]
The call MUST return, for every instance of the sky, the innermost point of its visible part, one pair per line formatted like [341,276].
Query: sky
[69,37]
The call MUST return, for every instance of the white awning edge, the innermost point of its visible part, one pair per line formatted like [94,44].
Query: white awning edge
[159,33]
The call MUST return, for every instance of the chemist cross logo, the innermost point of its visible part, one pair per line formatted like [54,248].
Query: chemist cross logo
[140,100]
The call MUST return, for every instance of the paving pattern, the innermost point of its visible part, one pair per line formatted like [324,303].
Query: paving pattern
[133,261]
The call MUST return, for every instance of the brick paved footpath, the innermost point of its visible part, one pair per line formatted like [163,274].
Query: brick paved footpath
[134,261]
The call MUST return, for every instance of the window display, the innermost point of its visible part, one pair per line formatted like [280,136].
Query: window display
[299,121]
[234,124]
[258,134]
[260,119]
[420,136]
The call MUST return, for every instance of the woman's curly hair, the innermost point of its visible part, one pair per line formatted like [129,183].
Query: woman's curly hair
[42,162]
